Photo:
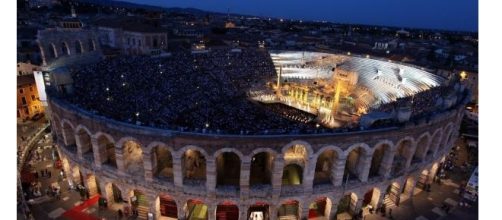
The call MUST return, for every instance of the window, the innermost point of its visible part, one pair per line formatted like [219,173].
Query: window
[21,91]
[32,97]
[23,99]
[31,88]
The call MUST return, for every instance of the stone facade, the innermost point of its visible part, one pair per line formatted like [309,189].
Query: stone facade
[375,159]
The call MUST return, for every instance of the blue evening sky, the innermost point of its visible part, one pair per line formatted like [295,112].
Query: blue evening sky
[435,14]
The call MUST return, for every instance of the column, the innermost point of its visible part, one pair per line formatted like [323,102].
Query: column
[308,177]
[119,157]
[211,211]
[359,204]
[177,174]
[273,211]
[78,142]
[365,168]
[334,209]
[380,199]
[211,177]
[303,210]
[339,170]
[181,211]
[99,154]
[147,165]
[243,212]
[244,178]
[277,177]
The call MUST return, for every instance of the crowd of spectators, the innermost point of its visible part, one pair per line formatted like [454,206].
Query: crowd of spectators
[185,91]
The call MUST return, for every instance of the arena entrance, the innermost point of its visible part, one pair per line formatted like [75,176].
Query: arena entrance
[196,210]
[227,211]
[140,203]
[320,208]
[288,210]
[167,207]
[258,211]
[392,194]
[347,206]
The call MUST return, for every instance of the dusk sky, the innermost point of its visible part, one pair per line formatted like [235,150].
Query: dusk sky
[435,14]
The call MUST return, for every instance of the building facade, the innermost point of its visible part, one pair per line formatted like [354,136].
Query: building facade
[28,102]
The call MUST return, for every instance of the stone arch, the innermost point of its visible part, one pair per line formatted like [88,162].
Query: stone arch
[132,155]
[193,164]
[84,143]
[446,137]
[434,144]
[320,208]
[161,158]
[53,52]
[106,149]
[192,206]
[292,174]
[65,49]
[68,134]
[422,144]
[381,158]
[403,154]
[289,209]
[227,209]
[357,155]
[228,166]
[166,206]
[307,146]
[79,47]
[262,165]
[348,204]
[326,159]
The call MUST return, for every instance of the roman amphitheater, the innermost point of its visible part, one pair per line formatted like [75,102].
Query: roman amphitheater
[314,171]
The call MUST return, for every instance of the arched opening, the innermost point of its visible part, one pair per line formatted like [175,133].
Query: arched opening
[133,158]
[92,45]
[354,164]
[320,208]
[78,47]
[195,210]
[155,43]
[409,185]
[65,49]
[433,146]
[324,172]
[261,169]
[194,167]
[422,145]
[392,195]
[139,202]
[113,194]
[227,210]
[162,163]
[380,154]
[107,146]
[288,210]
[228,168]
[167,207]
[346,208]
[84,139]
[370,200]
[401,157]
[292,175]
[258,211]
[446,139]
[69,137]
[93,185]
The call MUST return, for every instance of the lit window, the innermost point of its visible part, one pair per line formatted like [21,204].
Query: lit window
[21,91]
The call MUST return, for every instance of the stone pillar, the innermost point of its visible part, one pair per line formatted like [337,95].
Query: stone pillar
[147,166]
[99,154]
[410,194]
[243,212]
[386,166]
[359,205]
[273,211]
[365,168]
[181,211]
[244,178]
[119,157]
[339,170]
[211,211]
[308,177]
[334,209]
[178,174]
[211,177]
[78,142]
[277,177]
[380,199]
[303,209]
